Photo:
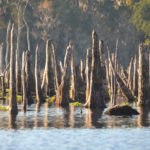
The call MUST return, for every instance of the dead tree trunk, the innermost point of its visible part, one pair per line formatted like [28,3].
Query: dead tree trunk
[39,95]
[107,74]
[1,58]
[129,74]
[96,97]
[135,79]
[24,94]
[3,85]
[62,94]
[125,90]
[56,68]
[12,88]
[30,81]
[18,68]
[7,50]
[87,72]
[49,70]
[143,88]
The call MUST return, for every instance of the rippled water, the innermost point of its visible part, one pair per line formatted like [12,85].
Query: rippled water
[50,127]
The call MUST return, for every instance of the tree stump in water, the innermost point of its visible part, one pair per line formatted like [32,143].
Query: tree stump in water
[121,110]
[96,97]
[13,101]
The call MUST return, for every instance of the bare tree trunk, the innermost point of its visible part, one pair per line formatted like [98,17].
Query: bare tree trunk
[7,43]
[107,74]
[3,85]
[49,70]
[87,72]
[126,91]
[27,27]
[96,97]
[135,79]
[24,94]
[129,74]
[7,50]
[1,58]
[18,68]
[39,94]
[62,94]
[30,81]
[143,87]
[56,68]
[12,88]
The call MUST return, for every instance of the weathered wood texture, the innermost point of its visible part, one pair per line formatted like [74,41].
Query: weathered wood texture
[135,78]
[39,95]
[30,81]
[23,77]
[63,91]
[143,87]
[96,97]
[12,86]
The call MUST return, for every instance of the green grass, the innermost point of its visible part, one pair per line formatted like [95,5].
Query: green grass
[76,104]
[5,108]
[50,99]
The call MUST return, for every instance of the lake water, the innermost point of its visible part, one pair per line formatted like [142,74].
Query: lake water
[49,127]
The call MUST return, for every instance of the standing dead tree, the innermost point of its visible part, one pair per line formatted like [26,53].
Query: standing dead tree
[30,81]
[48,77]
[18,66]
[87,72]
[143,81]
[39,95]
[12,86]
[24,94]
[62,94]
[1,58]
[125,90]
[7,50]
[96,97]
[135,78]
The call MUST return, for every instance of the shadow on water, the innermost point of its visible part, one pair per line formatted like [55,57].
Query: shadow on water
[49,116]
[143,118]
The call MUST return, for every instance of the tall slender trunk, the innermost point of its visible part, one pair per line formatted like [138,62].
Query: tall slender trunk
[12,88]
[39,94]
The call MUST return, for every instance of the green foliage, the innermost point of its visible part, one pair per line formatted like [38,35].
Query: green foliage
[76,104]
[5,108]
[141,18]
[50,99]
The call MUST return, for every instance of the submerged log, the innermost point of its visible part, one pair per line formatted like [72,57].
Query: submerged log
[96,97]
[24,94]
[143,87]
[121,110]
[39,95]
[30,81]
[12,87]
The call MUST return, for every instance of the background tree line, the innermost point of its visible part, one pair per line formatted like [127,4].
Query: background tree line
[127,21]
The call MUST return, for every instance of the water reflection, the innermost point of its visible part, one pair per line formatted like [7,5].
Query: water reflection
[48,116]
[12,121]
[143,117]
